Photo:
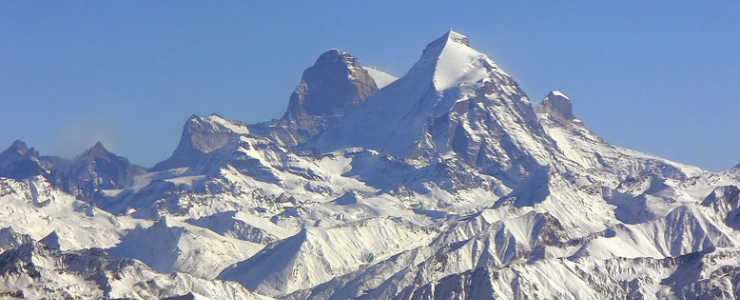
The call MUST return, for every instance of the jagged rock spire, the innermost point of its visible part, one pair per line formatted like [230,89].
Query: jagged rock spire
[558,105]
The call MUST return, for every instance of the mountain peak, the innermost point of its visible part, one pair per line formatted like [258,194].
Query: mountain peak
[450,61]
[558,105]
[16,150]
[19,146]
[99,146]
[219,123]
[97,150]
[20,162]
[200,136]
[335,83]
[336,56]
[438,108]
[557,93]
[97,168]
[457,37]
[450,37]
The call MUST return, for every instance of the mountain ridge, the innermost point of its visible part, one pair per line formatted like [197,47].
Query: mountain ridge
[445,183]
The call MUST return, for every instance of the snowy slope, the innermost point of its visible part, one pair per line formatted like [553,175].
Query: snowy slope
[34,271]
[314,256]
[167,247]
[449,71]
[382,78]
[446,183]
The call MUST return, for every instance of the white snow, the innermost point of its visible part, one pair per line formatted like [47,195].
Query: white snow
[218,121]
[382,78]
[559,93]
[457,63]
[445,185]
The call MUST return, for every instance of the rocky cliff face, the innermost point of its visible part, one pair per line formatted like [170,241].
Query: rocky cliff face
[20,162]
[200,136]
[335,84]
[97,169]
[557,105]
[86,174]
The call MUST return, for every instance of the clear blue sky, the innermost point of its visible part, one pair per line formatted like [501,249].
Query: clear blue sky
[661,77]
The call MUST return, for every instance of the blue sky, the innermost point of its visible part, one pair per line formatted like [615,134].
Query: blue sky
[650,76]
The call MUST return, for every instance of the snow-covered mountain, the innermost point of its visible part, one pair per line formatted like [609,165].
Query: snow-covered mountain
[444,183]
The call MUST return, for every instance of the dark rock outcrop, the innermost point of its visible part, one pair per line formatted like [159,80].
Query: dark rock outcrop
[200,136]
[21,162]
[97,169]
[331,87]
[558,106]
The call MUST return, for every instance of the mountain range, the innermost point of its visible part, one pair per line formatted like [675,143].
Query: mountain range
[446,183]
